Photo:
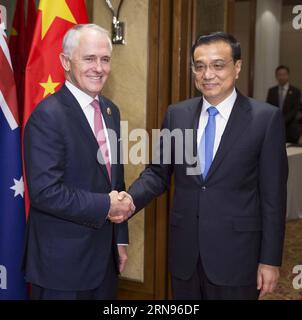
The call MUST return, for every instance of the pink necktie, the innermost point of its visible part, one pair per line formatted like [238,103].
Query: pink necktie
[100,134]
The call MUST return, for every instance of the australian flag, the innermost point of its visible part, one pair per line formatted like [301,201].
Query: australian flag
[12,212]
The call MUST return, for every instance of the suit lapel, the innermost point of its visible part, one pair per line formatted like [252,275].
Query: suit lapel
[194,111]
[80,121]
[287,98]
[114,144]
[236,125]
[276,103]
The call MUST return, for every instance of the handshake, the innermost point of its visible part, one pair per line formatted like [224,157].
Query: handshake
[121,206]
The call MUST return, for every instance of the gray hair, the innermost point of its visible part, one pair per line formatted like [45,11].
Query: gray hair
[72,36]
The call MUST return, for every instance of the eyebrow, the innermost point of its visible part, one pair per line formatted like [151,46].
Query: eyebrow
[215,60]
[89,55]
[95,56]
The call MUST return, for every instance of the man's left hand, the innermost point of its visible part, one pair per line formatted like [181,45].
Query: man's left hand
[123,257]
[267,278]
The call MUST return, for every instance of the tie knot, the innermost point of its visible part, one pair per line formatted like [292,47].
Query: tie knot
[212,111]
[96,105]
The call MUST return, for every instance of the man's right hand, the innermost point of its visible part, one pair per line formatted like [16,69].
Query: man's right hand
[121,208]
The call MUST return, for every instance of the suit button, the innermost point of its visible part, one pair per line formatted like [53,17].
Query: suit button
[203,188]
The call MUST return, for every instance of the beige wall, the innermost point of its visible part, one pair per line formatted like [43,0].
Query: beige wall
[127,87]
[267,44]
[291,46]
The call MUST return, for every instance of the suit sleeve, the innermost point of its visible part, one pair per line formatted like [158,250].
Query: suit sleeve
[44,165]
[123,234]
[155,179]
[273,172]
[291,114]
[269,97]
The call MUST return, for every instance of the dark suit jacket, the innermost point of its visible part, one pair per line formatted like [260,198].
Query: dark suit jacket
[69,240]
[235,218]
[290,109]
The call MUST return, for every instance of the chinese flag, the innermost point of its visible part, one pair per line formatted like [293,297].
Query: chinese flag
[19,44]
[44,74]
[30,24]
[17,47]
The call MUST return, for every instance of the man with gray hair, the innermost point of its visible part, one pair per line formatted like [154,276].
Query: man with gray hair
[73,250]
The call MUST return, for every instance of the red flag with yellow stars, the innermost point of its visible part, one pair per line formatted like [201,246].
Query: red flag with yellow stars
[19,44]
[30,24]
[44,74]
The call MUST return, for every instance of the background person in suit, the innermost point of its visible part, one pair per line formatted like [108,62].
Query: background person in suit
[226,224]
[288,99]
[71,245]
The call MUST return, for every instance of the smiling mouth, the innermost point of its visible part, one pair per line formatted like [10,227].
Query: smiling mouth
[95,78]
[209,85]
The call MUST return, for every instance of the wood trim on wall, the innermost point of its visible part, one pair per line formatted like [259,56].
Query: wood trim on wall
[229,15]
[183,22]
[195,34]
[230,10]
[156,217]
[253,7]
[89,7]
[163,95]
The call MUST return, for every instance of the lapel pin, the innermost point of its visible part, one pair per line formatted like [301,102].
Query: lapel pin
[109,111]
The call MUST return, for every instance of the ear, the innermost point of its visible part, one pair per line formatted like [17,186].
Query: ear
[238,66]
[65,61]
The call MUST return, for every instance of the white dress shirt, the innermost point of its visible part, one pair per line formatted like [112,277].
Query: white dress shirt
[282,94]
[224,108]
[84,101]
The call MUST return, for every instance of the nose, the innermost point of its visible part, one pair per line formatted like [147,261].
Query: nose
[208,74]
[98,65]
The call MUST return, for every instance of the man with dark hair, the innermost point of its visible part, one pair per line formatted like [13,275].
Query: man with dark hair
[227,220]
[288,99]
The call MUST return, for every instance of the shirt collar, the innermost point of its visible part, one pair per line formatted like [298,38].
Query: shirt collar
[285,87]
[225,107]
[83,98]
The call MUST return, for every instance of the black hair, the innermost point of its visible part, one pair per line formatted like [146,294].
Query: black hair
[216,37]
[282,67]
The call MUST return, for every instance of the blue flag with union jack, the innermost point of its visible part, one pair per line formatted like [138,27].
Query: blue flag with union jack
[12,211]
